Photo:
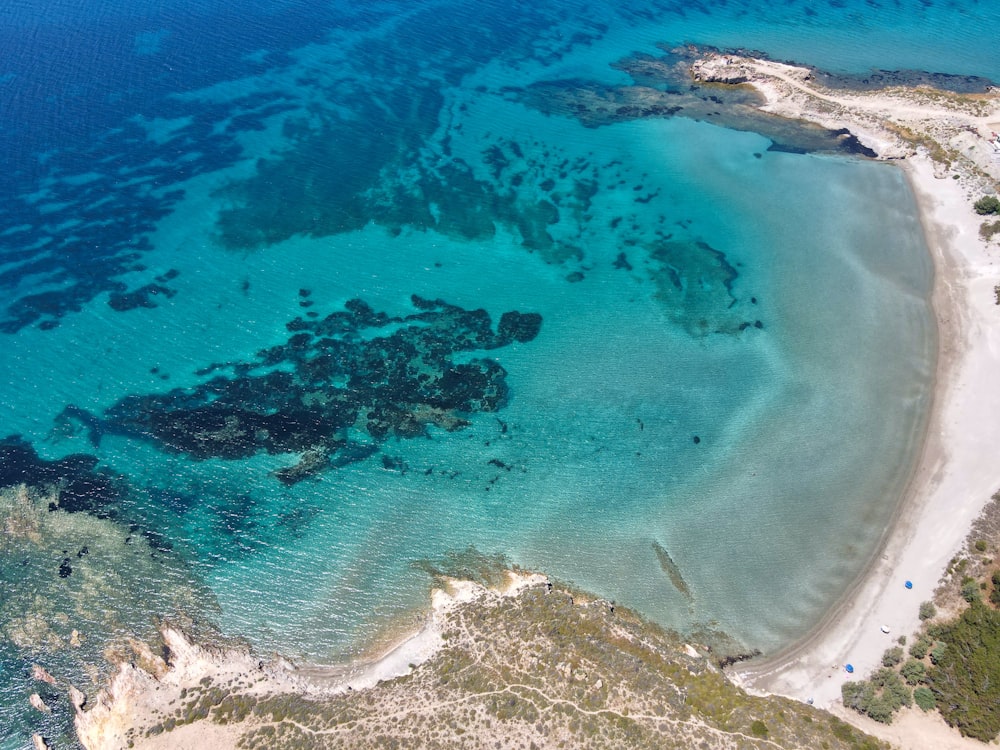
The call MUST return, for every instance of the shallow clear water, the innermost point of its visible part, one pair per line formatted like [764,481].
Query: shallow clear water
[733,361]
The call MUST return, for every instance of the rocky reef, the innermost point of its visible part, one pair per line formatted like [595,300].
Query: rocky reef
[334,390]
[663,86]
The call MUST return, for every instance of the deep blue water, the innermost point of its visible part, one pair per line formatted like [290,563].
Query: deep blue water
[299,296]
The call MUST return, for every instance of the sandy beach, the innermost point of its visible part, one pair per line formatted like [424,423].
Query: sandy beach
[956,474]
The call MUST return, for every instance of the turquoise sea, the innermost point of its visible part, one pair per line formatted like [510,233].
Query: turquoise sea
[302,300]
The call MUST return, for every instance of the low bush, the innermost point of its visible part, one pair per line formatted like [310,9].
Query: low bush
[878,698]
[913,671]
[988,230]
[924,698]
[919,648]
[892,656]
[966,675]
[938,652]
[970,591]
[988,204]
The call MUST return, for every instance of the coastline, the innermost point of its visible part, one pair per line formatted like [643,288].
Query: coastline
[534,664]
[953,478]
[928,528]
[951,482]
[145,690]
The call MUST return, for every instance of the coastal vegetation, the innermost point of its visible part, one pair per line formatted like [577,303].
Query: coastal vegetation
[548,667]
[965,678]
[937,152]
[989,229]
[954,663]
[879,697]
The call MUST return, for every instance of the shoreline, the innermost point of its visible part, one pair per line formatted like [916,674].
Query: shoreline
[950,483]
[148,688]
[952,480]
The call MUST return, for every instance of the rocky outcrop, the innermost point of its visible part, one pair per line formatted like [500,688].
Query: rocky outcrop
[722,69]
[38,704]
[41,674]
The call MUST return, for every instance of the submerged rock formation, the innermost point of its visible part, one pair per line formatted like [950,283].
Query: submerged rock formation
[334,391]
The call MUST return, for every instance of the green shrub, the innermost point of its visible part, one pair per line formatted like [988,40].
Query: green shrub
[892,656]
[878,698]
[937,653]
[980,545]
[919,648]
[966,676]
[913,672]
[758,729]
[988,204]
[893,689]
[856,695]
[970,591]
[988,230]
[924,698]
[927,610]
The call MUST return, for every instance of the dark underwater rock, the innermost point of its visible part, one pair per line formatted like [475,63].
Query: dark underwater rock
[330,379]
[82,486]
[141,297]
[621,262]
[673,572]
[522,327]
[881,79]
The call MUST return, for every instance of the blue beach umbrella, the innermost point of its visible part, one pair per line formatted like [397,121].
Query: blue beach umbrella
[849,668]
[909,584]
